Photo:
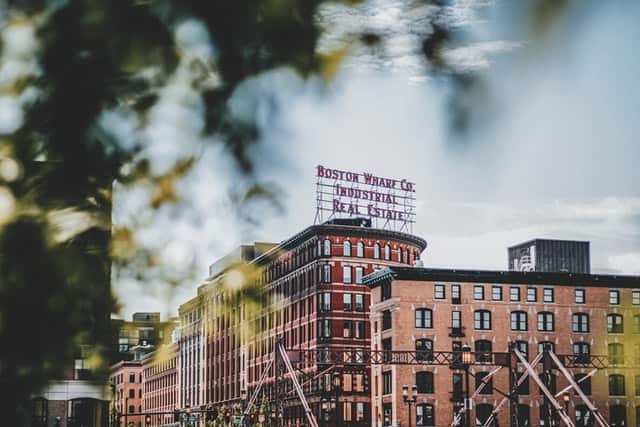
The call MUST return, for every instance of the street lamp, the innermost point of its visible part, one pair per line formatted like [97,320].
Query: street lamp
[466,362]
[410,400]
[566,398]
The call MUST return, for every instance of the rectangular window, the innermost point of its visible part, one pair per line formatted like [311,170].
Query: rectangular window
[386,348]
[360,332]
[635,297]
[584,382]
[324,328]
[580,296]
[455,294]
[346,302]
[478,292]
[545,322]
[326,273]
[532,294]
[386,320]
[324,301]
[547,294]
[518,321]
[132,393]
[132,377]
[482,319]
[359,411]
[347,329]
[360,302]
[614,297]
[346,274]
[488,387]
[514,293]
[439,292]
[455,320]
[386,290]
[424,318]
[496,293]
[387,385]
[359,275]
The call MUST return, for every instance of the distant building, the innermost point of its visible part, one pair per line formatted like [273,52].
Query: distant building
[126,380]
[161,382]
[550,256]
[142,334]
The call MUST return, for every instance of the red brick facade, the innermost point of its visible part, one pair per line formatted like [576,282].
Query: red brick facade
[127,378]
[161,384]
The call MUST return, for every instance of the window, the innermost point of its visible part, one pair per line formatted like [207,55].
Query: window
[617,416]
[580,296]
[425,415]
[615,324]
[614,297]
[376,251]
[324,301]
[636,324]
[496,293]
[132,393]
[482,349]
[324,328]
[347,329]
[478,292]
[132,409]
[346,274]
[532,294]
[548,416]
[456,322]
[616,385]
[580,322]
[616,353]
[326,273]
[360,250]
[584,382]
[486,388]
[483,412]
[455,294]
[635,297]
[439,292]
[360,302]
[547,294]
[387,252]
[514,293]
[386,320]
[545,321]
[456,387]
[387,348]
[346,302]
[524,418]
[546,345]
[424,350]
[424,381]
[387,384]
[359,275]
[424,318]
[523,388]
[327,247]
[581,350]
[523,347]
[387,410]
[399,253]
[482,319]
[40,412]
[346,248]
[584,417]
[360,331]
[637,385]
[132,377]
[518,321]
[386,290]
[549,380]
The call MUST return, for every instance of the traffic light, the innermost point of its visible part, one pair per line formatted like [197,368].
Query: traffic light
[252,419]
[227,416]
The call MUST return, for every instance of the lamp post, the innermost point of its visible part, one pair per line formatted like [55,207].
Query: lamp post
[410,400]
[566,397]
[466,362]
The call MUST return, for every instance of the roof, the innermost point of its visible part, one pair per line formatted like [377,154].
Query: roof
[496,276]
[529,242]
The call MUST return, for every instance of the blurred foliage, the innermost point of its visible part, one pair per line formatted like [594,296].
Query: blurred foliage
[66,63]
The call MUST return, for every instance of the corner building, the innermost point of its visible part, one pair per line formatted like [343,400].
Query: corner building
[433,310]
[307,291]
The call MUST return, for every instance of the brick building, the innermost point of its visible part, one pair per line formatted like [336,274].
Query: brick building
[441,310]
[126,380]
[307,290]
[161,384]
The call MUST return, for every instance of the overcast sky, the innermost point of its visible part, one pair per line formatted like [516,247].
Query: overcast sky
[557,157]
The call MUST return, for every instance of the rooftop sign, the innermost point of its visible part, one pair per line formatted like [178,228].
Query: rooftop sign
[389,202]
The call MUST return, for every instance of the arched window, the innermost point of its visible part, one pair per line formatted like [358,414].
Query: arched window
[387,252]
[580,322]
[408,256]
[581,350]
[360,249]
[615,324]
[327,247]
[425,415]
[483,350]
[376,251]
[482,319]
[616,353]
[424,318]
[616,385]
[548,345]
[424,381]
[636,324]
[424,350]
[483,412]
[584,417]
[545,321]
[518,320]
[346,248]
[319,248]
[524,418]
